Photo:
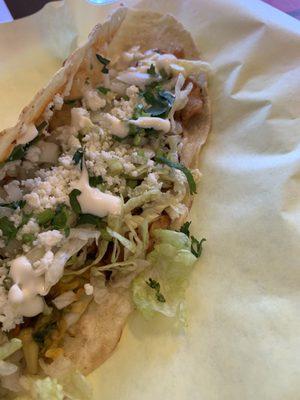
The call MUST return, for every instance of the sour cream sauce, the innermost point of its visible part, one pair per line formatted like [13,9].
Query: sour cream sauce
[28,288]
[93,201]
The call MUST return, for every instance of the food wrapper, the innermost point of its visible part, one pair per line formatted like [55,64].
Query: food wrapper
[242,337]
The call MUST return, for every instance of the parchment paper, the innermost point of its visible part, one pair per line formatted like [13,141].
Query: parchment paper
[242,341]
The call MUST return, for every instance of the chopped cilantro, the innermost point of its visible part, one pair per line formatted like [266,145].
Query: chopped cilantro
[186,228]
[94,181]
[72,102]
[74,202]
[131,183]
[160,101]
[45,217]
[196,247]
[14,204]
[185,170]
[8,228]
[103,89]
[18,153]
[156,286]
[27,238]
[104,61]
[90,219]
[60,218]
[78,157]
[151,70]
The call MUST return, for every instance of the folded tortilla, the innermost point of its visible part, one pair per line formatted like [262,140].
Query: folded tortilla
[98,331]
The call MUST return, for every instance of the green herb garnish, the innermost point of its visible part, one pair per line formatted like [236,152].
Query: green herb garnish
[103,89]
[14,204]
[151,70]
[196,246]
[72,102]
[18,153]
[45,217]
[104,61]
[186,228]
[27,238]
[78,157]
[180,167]
[132,183]
[160,101]
[60,218]
[74,202]
[94,181]
[9,231]
[90,219]
[156,286]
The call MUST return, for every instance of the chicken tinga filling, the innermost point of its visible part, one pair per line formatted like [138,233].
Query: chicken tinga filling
[94,195]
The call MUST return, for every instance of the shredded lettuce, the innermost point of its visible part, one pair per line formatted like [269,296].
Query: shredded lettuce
[161,288]
[125,242]
[63,382]
[48,389]
[9,348]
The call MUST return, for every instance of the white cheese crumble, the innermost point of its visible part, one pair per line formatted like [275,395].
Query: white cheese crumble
[89,289]
[49,239]
[13,191]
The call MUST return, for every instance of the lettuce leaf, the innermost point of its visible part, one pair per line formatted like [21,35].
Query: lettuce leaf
[47,389]
[161,288]
[9,348]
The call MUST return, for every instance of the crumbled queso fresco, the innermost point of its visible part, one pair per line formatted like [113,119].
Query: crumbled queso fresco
[117,158]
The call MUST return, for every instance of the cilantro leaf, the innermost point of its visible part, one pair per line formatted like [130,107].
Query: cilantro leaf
[74,202]
[103,89]
[78,157]
[8,228]
[18,153]
[180,167]
[156,286]
[45,217]
[60,218]
[151,70]
[196,247]
[94,181]
[186,228]
[104,61]
[160,101]
[71,102]
[27,238]
[14,204]
[90,219]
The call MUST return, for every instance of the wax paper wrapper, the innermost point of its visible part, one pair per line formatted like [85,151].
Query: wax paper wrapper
[242,339]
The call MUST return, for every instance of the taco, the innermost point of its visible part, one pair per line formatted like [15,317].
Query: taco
[97,179]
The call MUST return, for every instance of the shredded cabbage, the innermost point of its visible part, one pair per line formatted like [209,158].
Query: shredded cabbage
[171,263]
[75,385]
[9,348]
[47,389]
[125,242]
[7,368]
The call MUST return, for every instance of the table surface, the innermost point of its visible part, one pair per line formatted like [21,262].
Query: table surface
[13,9]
